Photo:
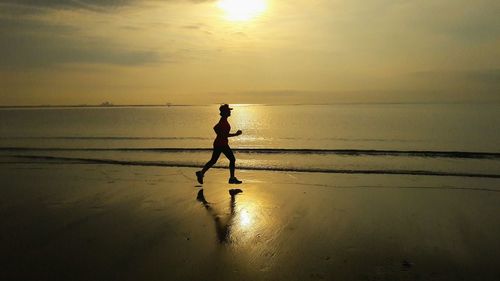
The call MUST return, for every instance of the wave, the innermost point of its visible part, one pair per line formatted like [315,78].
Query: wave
[104,138]
[346,152]
[259,168]
[190,138]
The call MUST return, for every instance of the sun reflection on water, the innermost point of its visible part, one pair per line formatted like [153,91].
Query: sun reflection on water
[252,120]
[251,221]
[244,222]
[245,219]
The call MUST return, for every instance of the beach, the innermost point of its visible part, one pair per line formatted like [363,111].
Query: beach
[86,221]
[249,140]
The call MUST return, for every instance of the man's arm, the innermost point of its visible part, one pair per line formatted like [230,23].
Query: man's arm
[239,132]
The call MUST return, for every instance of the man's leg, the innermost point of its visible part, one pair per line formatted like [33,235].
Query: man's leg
[232,163]
[215,156]
[210,163]
[232,160]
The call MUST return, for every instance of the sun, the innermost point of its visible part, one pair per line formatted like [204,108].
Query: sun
[242,10]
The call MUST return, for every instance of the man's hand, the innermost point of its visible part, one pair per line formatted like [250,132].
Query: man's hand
[239,132]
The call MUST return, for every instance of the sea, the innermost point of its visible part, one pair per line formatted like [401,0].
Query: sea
[442,140]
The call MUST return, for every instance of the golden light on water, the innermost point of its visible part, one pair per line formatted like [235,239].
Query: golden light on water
[252,120]
[242,10]
[245,219]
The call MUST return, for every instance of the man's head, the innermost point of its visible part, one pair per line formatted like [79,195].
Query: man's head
[225,110]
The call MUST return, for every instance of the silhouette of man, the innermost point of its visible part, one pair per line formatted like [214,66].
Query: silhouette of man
[221,145]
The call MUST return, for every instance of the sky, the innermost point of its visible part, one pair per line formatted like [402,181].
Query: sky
[75,52]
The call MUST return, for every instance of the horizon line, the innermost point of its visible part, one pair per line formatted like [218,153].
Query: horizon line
[208,104]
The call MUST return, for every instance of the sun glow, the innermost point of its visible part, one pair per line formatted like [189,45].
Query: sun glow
[242,10]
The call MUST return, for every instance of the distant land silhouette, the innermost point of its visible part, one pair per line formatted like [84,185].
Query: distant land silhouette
[103,104]
[109,104]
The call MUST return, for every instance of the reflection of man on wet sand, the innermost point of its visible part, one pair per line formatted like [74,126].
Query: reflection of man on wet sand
[222,225]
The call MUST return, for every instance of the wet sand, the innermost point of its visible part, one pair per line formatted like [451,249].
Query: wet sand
[110,222]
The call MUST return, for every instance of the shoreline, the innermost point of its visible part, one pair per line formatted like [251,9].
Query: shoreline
[77,160]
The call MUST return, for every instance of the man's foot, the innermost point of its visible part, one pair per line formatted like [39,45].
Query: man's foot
[201,197]
[234,180]
[199,177]
[233,192]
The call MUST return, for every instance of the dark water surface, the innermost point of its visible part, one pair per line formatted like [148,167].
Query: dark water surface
[440,139]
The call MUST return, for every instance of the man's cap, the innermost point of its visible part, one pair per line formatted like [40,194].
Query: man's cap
[225,107]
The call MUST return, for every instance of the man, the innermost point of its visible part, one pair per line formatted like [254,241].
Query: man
[221,145]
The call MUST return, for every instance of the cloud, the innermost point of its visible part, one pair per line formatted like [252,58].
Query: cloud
[36,6]
[287,96]
[33,44]
[79,4]
[486,76]
[455,85]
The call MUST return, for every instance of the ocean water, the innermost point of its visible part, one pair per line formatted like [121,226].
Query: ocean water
[421,139]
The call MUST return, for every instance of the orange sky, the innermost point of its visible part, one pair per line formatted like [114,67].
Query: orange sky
[244,51]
